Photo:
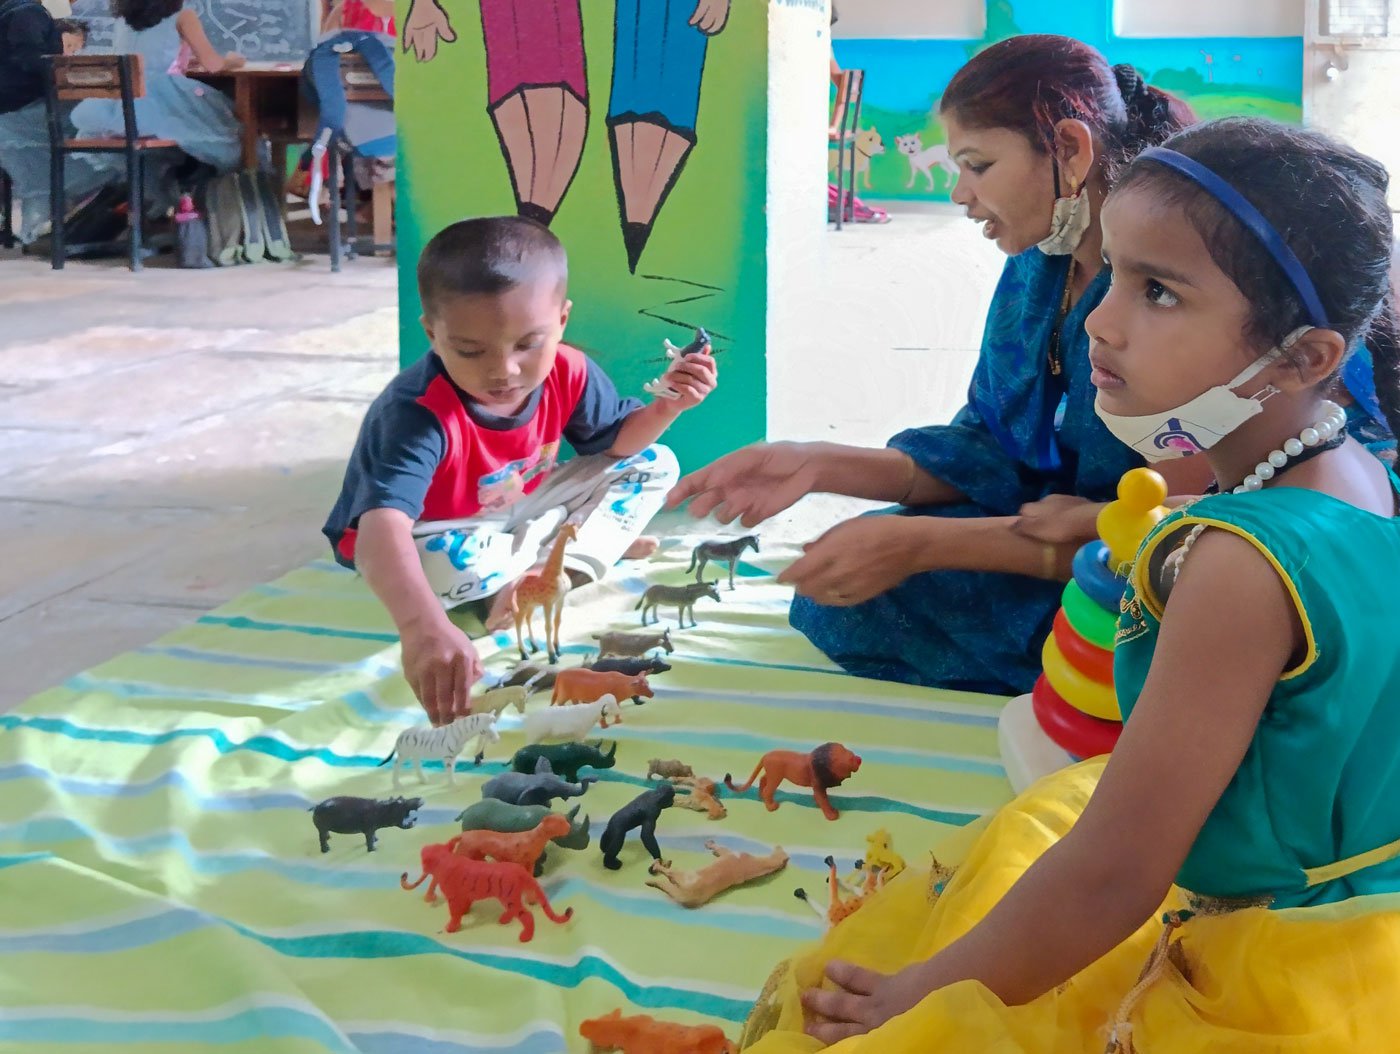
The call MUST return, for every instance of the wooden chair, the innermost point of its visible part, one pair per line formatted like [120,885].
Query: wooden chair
[361,85]
[77,77]
[844,125]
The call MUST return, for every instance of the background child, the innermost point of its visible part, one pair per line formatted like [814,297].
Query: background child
[1255,663]
[74,32]
[452,494]
[166,33]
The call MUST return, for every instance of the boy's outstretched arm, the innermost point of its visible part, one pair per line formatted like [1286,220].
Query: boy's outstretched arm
[692,378]
[439,661]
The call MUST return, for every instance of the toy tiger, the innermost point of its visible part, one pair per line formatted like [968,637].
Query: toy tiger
[464,882]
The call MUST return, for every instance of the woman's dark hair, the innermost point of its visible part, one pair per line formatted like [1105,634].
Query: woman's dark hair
[1328,203]
[143,14]
[1031,83]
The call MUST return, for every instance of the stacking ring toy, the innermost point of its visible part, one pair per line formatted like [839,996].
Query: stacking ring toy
[1083,693]
[1100,584]
[1089,620]
[1068,729]
[1092,662]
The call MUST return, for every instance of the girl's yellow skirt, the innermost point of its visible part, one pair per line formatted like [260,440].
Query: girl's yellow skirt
[1317,980]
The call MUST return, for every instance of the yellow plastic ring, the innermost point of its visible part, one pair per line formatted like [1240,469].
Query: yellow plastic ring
[1085,694]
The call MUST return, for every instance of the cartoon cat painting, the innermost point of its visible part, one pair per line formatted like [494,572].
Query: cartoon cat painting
[923,160]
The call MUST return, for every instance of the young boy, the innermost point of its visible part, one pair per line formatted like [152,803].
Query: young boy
[451,493]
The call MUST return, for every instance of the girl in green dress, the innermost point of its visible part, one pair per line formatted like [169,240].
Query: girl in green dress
[1254,797]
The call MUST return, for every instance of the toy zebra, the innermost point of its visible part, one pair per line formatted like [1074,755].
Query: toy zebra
[446,742]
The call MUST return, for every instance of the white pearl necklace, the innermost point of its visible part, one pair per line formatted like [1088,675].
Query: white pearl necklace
[1333,420]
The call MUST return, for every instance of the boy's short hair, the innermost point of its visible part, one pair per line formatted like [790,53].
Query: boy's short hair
[74,26]
[490,254]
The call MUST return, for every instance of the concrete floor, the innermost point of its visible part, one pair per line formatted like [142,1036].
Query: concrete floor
[170,439]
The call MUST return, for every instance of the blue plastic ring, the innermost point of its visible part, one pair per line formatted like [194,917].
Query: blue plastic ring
[1100,584]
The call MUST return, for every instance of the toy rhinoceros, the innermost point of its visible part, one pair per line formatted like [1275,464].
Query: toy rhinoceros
[536,788]
[489,814]
[565,759]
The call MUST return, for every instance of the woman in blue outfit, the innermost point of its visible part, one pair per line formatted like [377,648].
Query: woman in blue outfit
[166,34]
[958,590]
[28,37]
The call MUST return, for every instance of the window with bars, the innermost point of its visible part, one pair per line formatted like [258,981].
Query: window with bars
[1361,18]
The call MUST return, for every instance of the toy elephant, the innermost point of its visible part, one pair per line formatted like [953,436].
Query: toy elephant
[536,788]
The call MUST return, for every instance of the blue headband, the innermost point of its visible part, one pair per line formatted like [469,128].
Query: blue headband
[1238,206]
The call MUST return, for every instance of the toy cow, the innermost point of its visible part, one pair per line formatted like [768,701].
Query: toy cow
[631,667]
[564,758]
[633,645]
[571,722]
[345,815]
[491,814]
[536,788]
[585,686]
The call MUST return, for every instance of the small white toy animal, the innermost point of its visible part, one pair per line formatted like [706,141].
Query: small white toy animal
[446,742]
[497,700]
[571,722]
[925,159]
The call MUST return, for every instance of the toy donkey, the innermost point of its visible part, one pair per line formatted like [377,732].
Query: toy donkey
[721,553]
[684,597]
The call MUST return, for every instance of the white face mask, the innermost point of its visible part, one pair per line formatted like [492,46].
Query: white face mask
[1198,425]
[1067,225]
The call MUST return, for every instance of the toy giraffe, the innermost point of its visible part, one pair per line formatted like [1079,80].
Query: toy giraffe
[545,589]
[840,909]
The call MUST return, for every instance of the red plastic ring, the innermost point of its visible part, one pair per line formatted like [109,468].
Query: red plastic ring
[1072,731]
[1091,661]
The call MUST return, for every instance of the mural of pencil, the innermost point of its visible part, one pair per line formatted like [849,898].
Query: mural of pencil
[537,96]
[658,63]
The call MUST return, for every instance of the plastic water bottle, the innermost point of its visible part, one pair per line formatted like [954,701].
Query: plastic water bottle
[191,236]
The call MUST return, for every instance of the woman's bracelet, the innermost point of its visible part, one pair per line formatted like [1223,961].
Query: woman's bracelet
[909,486]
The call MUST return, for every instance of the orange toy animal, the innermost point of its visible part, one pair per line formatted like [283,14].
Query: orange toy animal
[828,766]
[697,794]
[545,589]
[523,848]
[642,1034]
[839,908]
[588,686]
[464,882]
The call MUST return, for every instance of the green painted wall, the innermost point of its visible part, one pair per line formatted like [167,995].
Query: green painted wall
[705,263]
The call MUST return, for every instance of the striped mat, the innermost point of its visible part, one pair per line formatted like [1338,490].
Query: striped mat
[161,885]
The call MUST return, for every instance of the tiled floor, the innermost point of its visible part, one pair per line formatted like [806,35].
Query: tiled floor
[169,439]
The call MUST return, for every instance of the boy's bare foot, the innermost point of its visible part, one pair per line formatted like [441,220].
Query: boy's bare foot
[642,548]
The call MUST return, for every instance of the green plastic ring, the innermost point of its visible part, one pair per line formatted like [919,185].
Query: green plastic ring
[1089,620]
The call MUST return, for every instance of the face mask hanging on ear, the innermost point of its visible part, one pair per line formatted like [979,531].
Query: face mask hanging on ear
[1068,222]
[1196,426]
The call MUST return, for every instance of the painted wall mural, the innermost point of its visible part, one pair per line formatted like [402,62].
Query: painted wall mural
[900,152]
[660,204]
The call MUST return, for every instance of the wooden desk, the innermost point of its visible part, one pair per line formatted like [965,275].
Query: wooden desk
[268,103]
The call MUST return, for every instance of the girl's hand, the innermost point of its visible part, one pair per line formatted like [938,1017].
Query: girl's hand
[1059,519]
[692,378]
[749,485]
[710,16]
[858,560]
[234,61]
[425,25]
[863,1000]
